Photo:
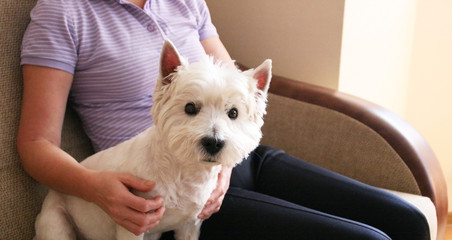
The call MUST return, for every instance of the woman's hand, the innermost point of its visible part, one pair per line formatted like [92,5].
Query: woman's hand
[216,198]
[110,191]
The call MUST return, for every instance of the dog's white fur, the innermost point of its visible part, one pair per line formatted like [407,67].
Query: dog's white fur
[171,152]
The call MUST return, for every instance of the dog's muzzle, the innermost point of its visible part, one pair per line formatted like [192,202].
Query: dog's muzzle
[212,145]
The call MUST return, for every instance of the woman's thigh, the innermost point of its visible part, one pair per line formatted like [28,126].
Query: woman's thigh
[251,215]
[274,173]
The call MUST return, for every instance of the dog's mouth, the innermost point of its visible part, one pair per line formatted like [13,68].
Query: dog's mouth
[210,160]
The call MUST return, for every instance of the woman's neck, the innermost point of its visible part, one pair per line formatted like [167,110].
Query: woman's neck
[139,3]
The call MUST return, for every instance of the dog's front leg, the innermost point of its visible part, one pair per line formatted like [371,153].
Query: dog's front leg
[189,231]
[123,234]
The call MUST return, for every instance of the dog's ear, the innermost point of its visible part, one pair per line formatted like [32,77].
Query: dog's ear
[169,61]
[263,75]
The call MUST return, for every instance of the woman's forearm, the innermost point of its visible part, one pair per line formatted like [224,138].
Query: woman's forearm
[53,167]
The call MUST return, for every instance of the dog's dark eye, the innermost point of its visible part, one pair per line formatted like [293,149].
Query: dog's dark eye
[191,109]
[233,113]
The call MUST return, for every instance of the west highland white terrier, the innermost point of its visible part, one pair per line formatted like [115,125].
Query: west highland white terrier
[206,114]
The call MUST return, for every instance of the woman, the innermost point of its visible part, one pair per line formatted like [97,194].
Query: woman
[101,57]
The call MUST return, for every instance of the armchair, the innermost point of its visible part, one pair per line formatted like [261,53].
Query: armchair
[328,128]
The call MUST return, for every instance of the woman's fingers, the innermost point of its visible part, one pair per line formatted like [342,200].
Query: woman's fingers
[136,183]
[216,198]
[138,222]
[134,213]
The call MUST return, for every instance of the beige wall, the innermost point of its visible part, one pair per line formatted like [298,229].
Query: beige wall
[429,100]
[302,37]
[399,54]
[377,45]
[395,53]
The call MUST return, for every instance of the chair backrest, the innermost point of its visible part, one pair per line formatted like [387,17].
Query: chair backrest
[20,195]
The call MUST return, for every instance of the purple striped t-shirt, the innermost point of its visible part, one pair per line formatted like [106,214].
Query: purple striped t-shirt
[112,48]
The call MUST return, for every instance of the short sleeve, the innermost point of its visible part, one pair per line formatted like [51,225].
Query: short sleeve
[205,26]
[50,39]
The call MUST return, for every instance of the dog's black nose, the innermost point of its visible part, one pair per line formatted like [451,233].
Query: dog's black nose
[212,145]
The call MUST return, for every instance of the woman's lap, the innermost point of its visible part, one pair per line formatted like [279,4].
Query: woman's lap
[251,215]
[276,196]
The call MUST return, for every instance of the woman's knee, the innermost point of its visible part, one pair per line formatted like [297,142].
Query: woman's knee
[408,222]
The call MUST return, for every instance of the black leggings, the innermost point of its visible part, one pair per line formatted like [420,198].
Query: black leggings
[276,196]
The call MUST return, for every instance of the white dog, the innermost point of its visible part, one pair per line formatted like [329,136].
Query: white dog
[206,115]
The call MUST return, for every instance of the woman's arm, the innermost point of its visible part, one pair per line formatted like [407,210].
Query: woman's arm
[44,102]
[43,106]
[214,47]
